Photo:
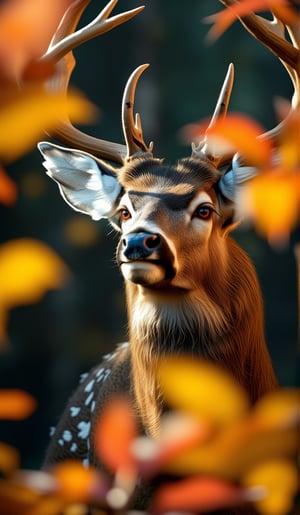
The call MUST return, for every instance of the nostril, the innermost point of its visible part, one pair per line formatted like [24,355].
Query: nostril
[152,242]
[124,243]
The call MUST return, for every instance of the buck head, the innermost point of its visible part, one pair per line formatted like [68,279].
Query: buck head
[171,219]
[163,213]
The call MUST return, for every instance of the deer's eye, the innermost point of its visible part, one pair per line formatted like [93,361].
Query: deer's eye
[204,211]
[124,214]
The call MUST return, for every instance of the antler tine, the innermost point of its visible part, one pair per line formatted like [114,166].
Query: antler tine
[60,51]
[272,34]
[202,149]
[266,32]
[132,129]
[100,25]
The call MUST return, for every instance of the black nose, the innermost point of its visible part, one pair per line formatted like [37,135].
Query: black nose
[140,245]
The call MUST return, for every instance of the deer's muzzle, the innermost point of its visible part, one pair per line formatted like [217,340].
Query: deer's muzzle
[145,258]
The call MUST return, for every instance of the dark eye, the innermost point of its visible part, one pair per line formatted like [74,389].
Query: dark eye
[203,212]
[125,214]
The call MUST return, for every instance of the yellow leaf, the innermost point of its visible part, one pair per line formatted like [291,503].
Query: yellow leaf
[202,389]
[279,478]
[272,200]
[16,404]
[280,408]
[27,114]
[28,268]
[268,431]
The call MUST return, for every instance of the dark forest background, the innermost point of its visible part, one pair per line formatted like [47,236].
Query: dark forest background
[53,342]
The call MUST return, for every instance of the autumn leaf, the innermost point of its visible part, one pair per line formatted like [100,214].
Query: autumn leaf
[9,457]
[235,133]
[79,484]
[26,28]
[8,189]
[17,499]
[225,18]
[16,404]
[268,431]
[279,481]
[197,494]
[114,435]
[28,268]
[28,113]
[225,402]
[289,136]
[271,201]
[178,433]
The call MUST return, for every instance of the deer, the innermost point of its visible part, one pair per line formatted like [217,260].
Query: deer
[189,287]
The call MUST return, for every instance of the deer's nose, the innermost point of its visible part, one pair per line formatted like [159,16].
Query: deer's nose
[140,245]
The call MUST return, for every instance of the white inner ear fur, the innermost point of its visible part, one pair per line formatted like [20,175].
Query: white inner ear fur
[234,178]
[87,185]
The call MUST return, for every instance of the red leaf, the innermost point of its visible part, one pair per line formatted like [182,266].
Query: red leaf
[115,433]
[199,494]
[8,189]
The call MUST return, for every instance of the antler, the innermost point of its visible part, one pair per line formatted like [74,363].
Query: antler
[202,149]
[272,33]
[60,49]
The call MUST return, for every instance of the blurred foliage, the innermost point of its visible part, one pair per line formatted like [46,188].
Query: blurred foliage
[213,463]
[52,342]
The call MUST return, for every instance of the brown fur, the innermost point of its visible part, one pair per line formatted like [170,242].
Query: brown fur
[220,318]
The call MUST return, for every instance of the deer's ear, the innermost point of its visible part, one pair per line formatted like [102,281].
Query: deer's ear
[234,179]
[87,185]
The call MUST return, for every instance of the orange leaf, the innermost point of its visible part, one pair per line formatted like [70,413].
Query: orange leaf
[225,18]
[235,133]
[8,189]
[9,458]
[240,134]
[199,494]
[30,112]
[78,484]
[16,404]
[114,435]
[23,36]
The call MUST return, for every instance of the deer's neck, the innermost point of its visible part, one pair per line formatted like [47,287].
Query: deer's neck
[221,321]
[163,324]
